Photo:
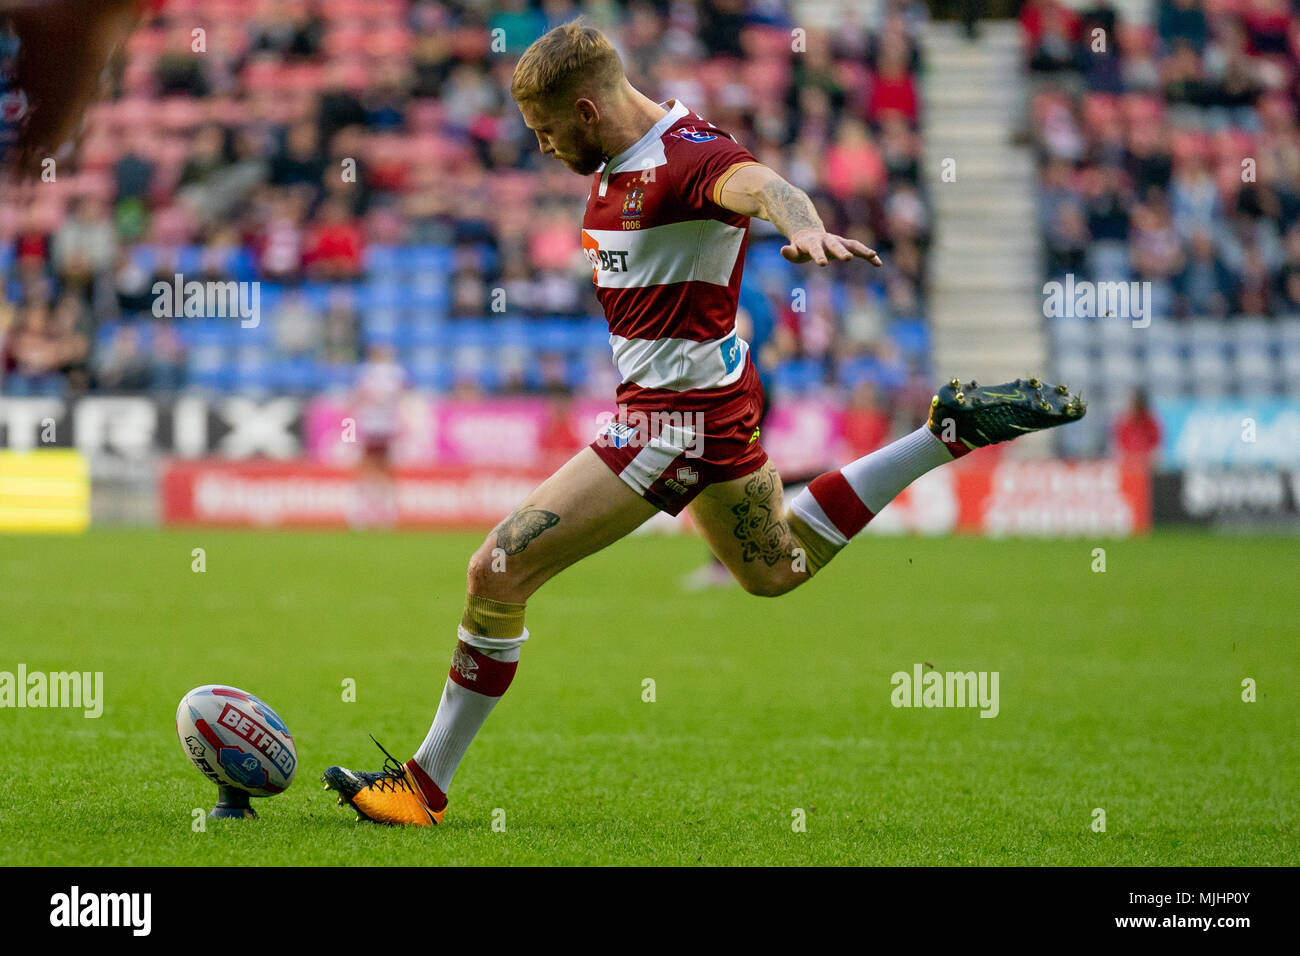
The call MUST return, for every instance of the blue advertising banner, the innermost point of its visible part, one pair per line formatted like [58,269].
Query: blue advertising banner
[1260,433]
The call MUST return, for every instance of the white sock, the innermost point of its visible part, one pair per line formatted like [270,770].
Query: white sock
[880,476]
[838,504]
[481,670]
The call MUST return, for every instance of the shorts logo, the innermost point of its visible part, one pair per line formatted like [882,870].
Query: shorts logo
[687,476]
[619,433]
[692,135]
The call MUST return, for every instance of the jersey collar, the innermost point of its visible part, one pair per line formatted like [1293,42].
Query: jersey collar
[675,112]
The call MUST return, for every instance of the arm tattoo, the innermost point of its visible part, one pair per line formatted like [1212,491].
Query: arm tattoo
[515,532]
[789,208]
[761,531]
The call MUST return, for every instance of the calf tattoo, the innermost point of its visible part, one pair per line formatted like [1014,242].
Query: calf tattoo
[760,528]
[515,532]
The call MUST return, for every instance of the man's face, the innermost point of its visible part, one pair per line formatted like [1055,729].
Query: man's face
[564,133]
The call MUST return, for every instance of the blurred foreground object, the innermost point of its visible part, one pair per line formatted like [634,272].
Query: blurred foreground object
[52,59]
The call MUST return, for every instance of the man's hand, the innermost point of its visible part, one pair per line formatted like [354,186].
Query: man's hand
[821,247]
[753,189]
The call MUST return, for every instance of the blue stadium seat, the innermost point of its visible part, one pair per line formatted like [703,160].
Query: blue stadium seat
[427,290]
[189,261]
[335,376]
[384,292]
[865,368]
[382,259]
[549,335]
[424,260]
[470,333]
[429,372]
[424,334]
[144,257]
[912,336]
[252,370]
[383,321]
[798,376]
[243,265]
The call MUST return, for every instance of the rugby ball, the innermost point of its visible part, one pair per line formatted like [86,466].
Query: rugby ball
[236,740]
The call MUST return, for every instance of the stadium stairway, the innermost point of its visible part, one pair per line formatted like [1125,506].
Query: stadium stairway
[985,271]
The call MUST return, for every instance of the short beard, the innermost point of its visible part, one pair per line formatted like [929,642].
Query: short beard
[587,162]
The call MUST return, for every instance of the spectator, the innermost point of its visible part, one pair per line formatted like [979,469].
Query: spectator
[179,71]
[124,366]
[334,244]
[1204,286]
[86,244]
[297,325]
[35,354]
[853,163]
[1137,432]
[866,424]
[893,91]
[70,342]
[166,360]
[301,162]
[1182,20]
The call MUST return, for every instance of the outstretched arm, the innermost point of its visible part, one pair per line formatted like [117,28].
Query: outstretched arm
[757,190]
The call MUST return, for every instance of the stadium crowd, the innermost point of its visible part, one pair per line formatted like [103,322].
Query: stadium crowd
[361,161]
[1170,151]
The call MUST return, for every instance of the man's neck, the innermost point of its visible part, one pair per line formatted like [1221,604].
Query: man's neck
[641,115]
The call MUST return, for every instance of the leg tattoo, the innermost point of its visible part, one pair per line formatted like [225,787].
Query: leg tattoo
[515,532]
[761,530]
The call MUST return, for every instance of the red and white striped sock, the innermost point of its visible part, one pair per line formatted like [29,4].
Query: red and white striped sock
[838,504]
[481,670]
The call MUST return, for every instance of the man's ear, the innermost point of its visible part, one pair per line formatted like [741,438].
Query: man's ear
[587,111]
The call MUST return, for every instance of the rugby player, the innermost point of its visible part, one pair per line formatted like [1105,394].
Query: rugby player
[665,230]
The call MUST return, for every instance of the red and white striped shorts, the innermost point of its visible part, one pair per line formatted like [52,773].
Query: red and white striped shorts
[669,456]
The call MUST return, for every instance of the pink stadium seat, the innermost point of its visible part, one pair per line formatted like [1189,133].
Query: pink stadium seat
[146,43]
[1100,110]
[765,77]
[260,73]
[1189,143]
[469,42]
[1135,39]
[425,115]
[389,43]
[761,41]
[345,41]
[1141,109]
[135,111]
[179,113]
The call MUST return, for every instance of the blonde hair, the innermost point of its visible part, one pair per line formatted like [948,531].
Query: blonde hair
[566,58]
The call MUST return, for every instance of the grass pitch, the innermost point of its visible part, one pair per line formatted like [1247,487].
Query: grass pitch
[1119,690]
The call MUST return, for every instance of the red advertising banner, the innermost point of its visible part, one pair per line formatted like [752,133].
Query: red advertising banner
[978,495]
[303,495]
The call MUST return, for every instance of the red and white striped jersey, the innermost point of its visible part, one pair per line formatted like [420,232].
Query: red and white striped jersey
[667,260]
